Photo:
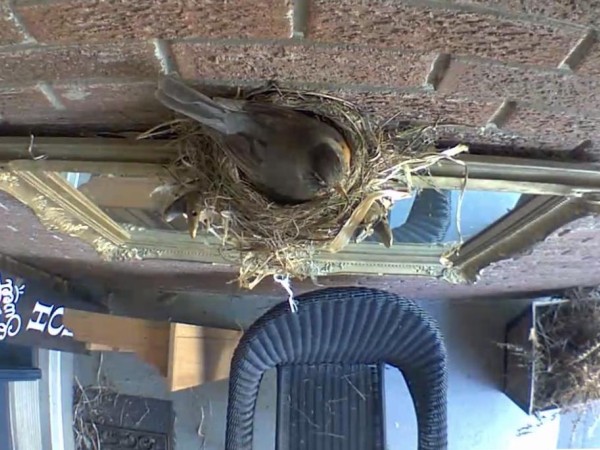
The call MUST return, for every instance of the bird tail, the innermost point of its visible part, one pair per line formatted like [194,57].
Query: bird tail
[178,96]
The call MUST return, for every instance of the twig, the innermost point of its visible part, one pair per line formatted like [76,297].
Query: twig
[355,388]
[333,435]
[461,198]
[585,355]
[201,427]
[99,371]
[137,424]
[30,150]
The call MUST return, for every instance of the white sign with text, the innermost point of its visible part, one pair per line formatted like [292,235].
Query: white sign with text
[44,318]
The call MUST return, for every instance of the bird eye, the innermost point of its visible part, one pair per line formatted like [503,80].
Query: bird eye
[194,213]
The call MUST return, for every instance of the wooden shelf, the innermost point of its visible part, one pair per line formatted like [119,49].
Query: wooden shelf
[185,355]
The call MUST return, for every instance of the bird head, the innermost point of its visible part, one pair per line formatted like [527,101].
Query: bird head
[376,222]
[189,206]
[331,161]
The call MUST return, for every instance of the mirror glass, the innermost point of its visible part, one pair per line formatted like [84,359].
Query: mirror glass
[129,201]
[432,217]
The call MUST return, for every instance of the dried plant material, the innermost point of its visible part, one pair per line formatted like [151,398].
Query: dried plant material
[566,349]
[563,355]
[266,239]
[358,215]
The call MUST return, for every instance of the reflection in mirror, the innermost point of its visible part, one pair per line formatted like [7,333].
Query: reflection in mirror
[430,217]
[127,200]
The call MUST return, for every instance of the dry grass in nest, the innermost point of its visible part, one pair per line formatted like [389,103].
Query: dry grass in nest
[264,238]
[86,404]
[567,352]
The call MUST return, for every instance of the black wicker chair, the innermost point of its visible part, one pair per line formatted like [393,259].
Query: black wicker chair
[334,345]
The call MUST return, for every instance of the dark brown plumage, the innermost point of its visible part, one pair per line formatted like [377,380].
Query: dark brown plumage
[287,155]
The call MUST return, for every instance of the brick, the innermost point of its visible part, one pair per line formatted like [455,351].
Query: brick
[553,128]
[22,105]
[71,62]
[105,106]
[581,12]
[111,105]
[32,240]
[424,29]
[590,66]
[421,107]
[411,105]
[498,143]
[340,64]
[86,21]
[554,89]
[9,34]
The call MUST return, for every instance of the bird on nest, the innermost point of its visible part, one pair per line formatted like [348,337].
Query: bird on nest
[287,155]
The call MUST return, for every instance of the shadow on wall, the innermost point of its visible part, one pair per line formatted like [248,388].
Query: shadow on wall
[480,415]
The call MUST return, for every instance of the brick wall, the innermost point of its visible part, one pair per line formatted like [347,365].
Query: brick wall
[526,69]
[523,73]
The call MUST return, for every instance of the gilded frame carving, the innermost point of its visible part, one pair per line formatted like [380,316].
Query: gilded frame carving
[562,192]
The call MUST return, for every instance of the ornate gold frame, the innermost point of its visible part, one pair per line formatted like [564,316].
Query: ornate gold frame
[562,192]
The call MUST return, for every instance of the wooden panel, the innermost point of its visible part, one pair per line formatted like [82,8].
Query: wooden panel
[100,348]
[186,355]
[149,339]
[122,192]
[89,149]
[199,355]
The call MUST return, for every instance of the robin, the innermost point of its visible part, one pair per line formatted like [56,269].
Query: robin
[188,205]
[376,221]
[286,154]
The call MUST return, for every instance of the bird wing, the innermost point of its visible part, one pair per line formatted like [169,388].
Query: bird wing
[247,153]
[175,94]
[270,113]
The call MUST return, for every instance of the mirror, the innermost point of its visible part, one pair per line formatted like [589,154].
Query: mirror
[99,190]
[431,216]
[129,201]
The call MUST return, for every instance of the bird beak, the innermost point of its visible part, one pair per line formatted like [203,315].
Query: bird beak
[384,232]
[193,227]
[193,224]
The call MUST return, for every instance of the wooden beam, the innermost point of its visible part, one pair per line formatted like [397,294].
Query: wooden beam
[198,355]
[185,355]
[147,338]
[88,149]
[122,169]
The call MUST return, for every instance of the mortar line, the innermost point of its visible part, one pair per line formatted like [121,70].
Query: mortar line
[580,51]
[15,18]
[162,52]
[48,91]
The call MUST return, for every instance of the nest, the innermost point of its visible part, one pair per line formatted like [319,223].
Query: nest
[86,402]
[264,238]
[567,353]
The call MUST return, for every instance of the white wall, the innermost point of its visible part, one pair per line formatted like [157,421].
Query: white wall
[480,416]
